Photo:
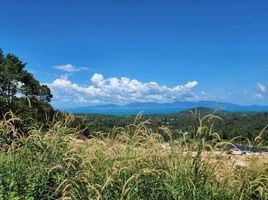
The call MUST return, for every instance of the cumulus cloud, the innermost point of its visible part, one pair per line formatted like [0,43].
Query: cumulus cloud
[260,92]
[258,96]
[70,68]
[261,88]
[118,91]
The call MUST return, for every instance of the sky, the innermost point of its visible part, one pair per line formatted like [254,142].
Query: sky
[124,51]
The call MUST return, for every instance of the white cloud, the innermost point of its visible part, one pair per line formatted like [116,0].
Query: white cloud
[70,68]
[118,91]
[258,96]
[203,93]
[191,84]
[261,88]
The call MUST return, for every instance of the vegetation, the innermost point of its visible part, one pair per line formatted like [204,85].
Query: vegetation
[245,125]
[127,163]
[22,93]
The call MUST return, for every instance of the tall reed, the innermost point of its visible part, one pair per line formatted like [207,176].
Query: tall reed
[131,162]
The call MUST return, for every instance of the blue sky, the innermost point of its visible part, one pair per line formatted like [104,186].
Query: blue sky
[166,50]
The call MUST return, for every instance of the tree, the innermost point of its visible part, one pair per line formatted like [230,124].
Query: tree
[19,90]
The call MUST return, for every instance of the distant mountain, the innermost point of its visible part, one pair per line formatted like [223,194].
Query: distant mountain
[186,104]
[164,108]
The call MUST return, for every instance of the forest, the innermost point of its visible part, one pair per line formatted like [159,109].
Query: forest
[247,125]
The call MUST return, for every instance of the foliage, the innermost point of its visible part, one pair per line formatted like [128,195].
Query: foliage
[21,93]
[127,163]
[233,124]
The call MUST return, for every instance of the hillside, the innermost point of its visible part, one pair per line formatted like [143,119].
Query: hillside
[233,124]
[132,162]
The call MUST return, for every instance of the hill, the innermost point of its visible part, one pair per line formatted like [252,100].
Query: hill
[163,108]
[245,124]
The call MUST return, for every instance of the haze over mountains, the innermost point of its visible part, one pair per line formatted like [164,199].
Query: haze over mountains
[164,108]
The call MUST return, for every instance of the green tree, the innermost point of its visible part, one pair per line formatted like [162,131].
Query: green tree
[20,92]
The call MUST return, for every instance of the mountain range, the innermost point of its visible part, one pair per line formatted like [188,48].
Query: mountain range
[164,108]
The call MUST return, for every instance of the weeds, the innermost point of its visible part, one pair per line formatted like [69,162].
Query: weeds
[131,162]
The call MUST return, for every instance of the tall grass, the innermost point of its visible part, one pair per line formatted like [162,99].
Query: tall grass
[131,162]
